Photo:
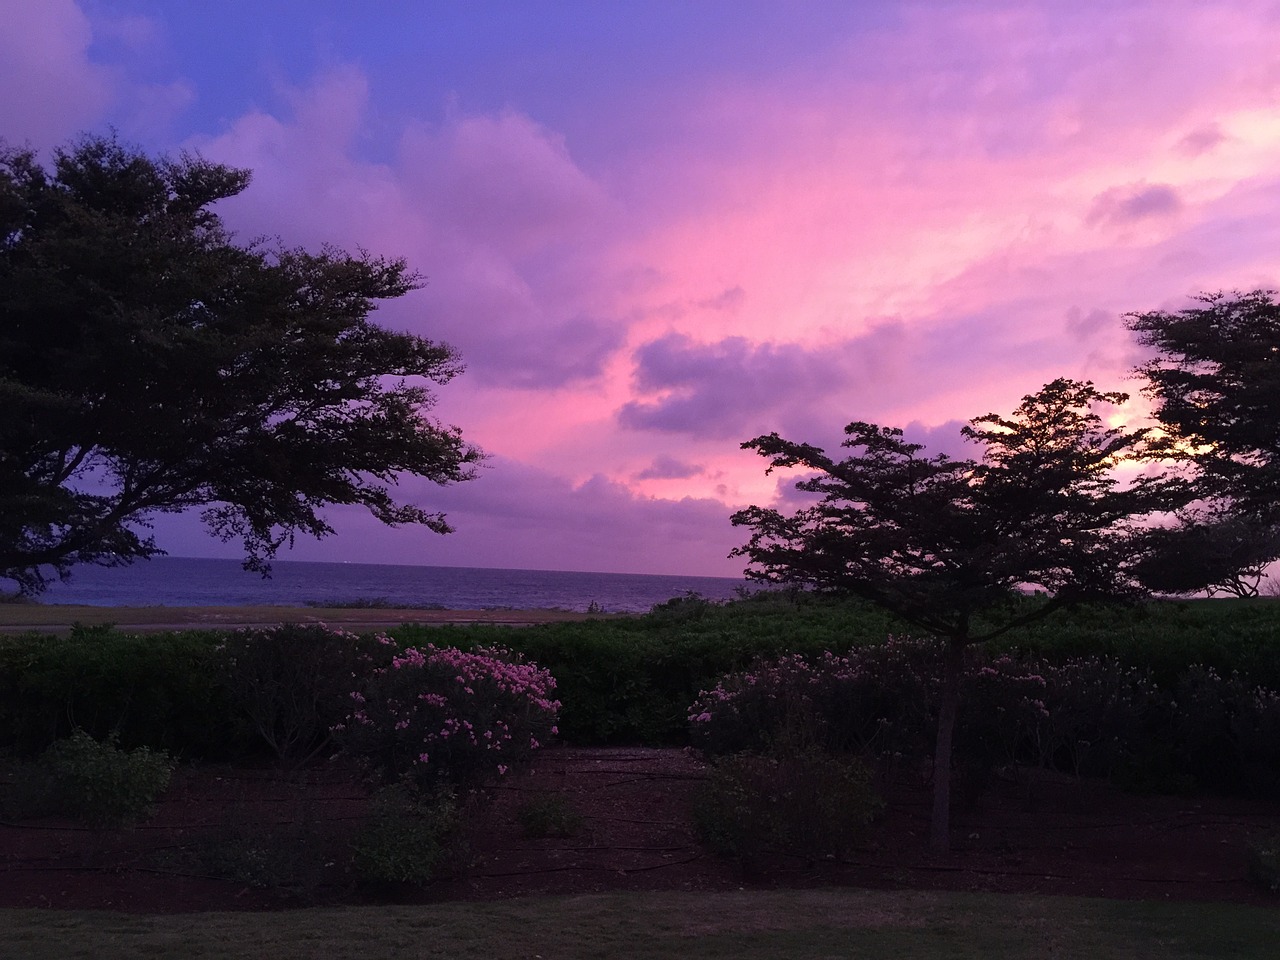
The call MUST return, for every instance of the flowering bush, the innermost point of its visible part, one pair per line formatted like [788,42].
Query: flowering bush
[1002,711]
[1090,716]
[754,709]
[439,714]
[1100,714]
[889,708]
[876,700]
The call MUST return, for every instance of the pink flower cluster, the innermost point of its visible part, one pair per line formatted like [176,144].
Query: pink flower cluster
[440,713]
[880,700]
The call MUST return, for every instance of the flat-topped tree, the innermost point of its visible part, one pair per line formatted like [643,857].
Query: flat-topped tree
[1213,547]
[953,546]
[149,363]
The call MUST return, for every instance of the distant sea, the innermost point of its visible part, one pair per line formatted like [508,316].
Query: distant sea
[181,582]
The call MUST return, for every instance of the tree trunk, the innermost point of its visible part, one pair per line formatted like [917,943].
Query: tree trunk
[953,665]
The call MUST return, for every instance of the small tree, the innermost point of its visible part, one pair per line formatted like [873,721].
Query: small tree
[1210,548]
[150,363]
[952,546]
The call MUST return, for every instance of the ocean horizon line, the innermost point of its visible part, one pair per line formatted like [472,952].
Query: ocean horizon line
[448,566]
[221,581]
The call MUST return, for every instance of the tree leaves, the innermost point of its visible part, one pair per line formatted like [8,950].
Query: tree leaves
[1215,380]
[149,363]
[949,544]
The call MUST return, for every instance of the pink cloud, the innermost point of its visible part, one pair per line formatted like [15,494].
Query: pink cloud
[925,223]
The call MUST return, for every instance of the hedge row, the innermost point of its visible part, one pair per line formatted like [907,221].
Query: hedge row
[621,681]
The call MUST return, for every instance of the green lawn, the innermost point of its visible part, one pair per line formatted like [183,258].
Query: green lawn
[801,924]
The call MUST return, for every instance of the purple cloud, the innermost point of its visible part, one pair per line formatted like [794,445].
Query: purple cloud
[517,516]
[669,468]
[942,438]
[54,89]
[520,516]
[1085,325]
[501,182]
[540,355]
[735,388]
[1202,139]
[1124,205]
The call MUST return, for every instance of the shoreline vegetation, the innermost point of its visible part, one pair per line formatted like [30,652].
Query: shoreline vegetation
[59,618]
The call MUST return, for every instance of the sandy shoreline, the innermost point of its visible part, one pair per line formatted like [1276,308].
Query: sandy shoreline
[52,618]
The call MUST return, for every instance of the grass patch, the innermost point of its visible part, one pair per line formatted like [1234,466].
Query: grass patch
[58,618]
[795,924]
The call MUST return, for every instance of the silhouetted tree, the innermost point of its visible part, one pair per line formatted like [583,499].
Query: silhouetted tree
[1210,549]
[1215,383]
[150,363]
[952,546]
[1215,380]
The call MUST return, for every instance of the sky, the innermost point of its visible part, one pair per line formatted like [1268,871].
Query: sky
[656,230]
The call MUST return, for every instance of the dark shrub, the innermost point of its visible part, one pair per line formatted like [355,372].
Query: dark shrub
[161,691]
[409,838]
[100,784]
[293,683]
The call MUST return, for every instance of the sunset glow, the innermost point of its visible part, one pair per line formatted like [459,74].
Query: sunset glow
[654,231]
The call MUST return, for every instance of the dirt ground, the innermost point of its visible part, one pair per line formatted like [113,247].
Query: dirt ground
[262,838]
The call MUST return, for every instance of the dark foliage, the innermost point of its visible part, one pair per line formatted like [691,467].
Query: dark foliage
[162,691]
[947,545]
[1212,548]
[150,363]
[1215,380]
[293,682]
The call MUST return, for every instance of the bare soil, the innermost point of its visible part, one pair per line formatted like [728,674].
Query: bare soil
[251,838]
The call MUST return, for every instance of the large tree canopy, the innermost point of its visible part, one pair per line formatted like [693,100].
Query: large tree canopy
[1215,383]
[148,362]
[1215,380]
[950,545]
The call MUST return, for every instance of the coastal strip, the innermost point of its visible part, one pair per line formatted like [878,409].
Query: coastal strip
[56,618]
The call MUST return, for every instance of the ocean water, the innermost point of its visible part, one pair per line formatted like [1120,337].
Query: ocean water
[179,582]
